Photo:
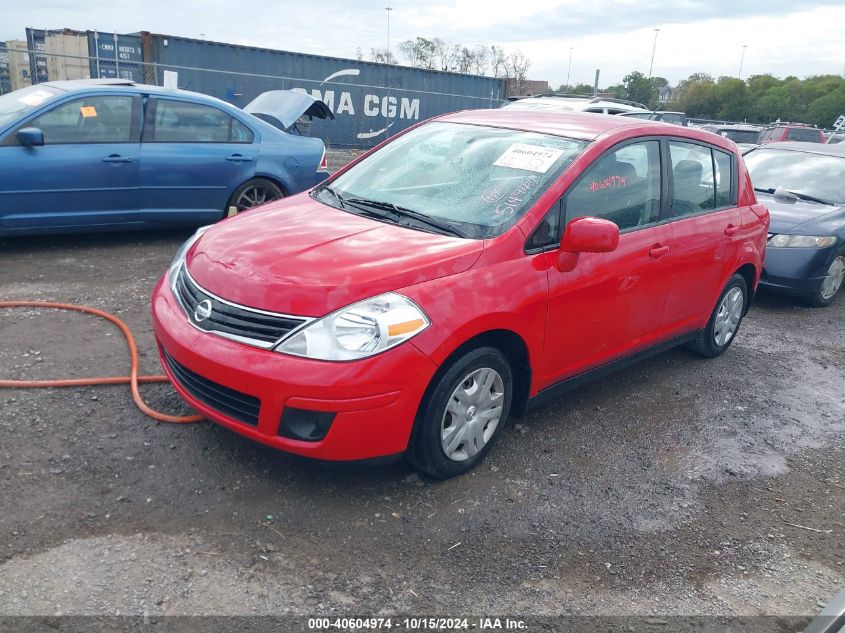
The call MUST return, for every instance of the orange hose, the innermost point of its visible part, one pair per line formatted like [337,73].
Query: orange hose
[133,379]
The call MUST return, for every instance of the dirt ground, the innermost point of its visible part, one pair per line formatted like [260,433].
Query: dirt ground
[681,486]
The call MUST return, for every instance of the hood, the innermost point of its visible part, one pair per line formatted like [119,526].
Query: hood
[281,108]
[785,215]
[299,256]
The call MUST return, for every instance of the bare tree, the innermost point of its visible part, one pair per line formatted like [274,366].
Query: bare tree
[480,60]
[498,62]
[382,56]
[418,52]
[517,65]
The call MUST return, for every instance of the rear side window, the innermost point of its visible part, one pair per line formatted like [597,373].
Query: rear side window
[702,178]
[803,134]
[182,122]
[723,164]
[622,186]
[102,119]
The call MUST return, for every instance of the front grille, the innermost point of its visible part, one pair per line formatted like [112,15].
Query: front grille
[233,404]
[247,325]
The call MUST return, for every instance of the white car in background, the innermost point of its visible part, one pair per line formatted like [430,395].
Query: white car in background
[575,103]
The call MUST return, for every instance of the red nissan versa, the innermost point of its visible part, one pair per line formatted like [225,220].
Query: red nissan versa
[469,268]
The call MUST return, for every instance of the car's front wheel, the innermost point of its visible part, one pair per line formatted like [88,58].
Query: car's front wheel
[253,193]
[464,414]
[724,321]
[832,283]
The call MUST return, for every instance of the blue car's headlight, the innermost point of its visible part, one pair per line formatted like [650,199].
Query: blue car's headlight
[801,241]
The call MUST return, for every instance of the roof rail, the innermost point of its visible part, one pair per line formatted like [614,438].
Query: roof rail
[624,101]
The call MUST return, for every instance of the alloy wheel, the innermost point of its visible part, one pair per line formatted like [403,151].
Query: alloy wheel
[254,196]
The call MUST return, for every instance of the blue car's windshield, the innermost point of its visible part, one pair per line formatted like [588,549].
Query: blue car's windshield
[476,179]
[19,102]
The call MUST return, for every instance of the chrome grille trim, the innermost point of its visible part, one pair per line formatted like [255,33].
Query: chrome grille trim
[233,322]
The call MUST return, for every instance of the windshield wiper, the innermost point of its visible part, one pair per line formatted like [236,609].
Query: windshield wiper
[340,199]
[396,212]
[797,194]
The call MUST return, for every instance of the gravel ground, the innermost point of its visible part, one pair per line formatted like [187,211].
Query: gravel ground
[680,487]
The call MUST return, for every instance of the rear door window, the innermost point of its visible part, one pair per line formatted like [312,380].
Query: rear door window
[171,121]
[702,178]
[803,134]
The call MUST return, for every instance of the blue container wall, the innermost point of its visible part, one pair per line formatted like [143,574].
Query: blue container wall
[370,101]
[111,58]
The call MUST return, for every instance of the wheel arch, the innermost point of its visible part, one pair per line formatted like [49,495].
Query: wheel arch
[749,273]
[515,349]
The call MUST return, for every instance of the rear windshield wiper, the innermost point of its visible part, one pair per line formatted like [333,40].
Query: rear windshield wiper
[800,196]
[397,212]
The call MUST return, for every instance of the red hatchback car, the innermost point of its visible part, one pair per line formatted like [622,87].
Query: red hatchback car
[465,270]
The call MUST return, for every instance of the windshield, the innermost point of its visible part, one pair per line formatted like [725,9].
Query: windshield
[811,174]
[479,180]
[741,136]
[19,102]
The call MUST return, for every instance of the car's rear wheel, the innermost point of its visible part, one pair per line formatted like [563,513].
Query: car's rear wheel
[464,414]
[254,193]
[832,283]
[725,320]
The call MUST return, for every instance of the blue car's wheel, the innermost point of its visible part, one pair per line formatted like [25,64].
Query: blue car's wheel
[832,283]
[254,193]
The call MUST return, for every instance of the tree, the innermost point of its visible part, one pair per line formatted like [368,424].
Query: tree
[639,88]
[516,67]
[825,110]
[382,56]
[732,94]
[418,52]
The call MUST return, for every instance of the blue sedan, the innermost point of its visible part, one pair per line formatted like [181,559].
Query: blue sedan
[803,185]
[93,155]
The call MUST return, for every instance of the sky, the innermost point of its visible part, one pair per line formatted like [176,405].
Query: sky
[783,37]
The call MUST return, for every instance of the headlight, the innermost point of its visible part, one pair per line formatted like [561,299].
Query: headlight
[802,241]
[363,329]
[183,250]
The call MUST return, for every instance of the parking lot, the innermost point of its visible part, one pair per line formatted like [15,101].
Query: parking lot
[681,486]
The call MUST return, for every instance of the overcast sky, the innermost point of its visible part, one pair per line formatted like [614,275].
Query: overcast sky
[784,37]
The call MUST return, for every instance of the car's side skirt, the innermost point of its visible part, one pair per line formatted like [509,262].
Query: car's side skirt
[555,391]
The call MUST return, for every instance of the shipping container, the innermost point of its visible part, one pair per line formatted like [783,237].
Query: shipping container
[370,100]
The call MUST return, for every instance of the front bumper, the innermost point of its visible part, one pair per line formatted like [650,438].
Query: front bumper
[375,400]
[795,271]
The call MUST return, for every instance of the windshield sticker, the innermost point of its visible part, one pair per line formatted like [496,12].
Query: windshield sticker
[88,111]
[611,182]
[529,157]
[517,197]
[35,98]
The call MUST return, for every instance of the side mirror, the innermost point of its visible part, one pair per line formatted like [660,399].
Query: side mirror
[30,137]
[586,235]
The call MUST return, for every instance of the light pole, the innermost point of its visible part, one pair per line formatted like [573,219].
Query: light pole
[388,9]
[742,59]
[569,69]
[653,49]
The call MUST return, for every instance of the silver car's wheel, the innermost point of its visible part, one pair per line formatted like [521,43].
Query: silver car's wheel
[834,278]
[472,414]
[728,316]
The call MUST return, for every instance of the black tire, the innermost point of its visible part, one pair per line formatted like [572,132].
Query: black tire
[705,343]
[265,191]
[426,451]
[817,299]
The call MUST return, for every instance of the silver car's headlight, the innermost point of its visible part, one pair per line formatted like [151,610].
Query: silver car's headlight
[363,329]
[179,258]
[801,241]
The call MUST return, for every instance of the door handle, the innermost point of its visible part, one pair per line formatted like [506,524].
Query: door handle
[730,229]
[117,158]
[239,158]
[658,251]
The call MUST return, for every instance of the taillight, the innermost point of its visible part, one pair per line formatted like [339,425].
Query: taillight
[324,162]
